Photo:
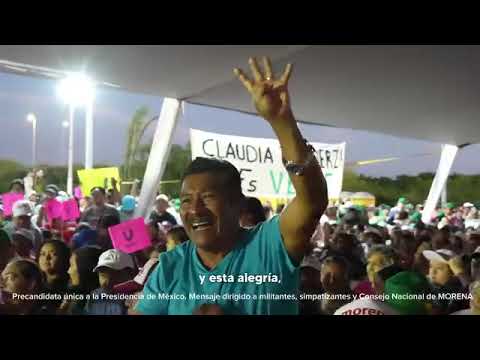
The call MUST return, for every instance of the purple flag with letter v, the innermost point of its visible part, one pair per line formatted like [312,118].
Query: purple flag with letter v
[130,236]
[54,209]
[70,210]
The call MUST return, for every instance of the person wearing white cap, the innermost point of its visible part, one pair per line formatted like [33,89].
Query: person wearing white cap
[22,219]
[440,271]
[161,213]
[470,212]
[113,268]
[448,276]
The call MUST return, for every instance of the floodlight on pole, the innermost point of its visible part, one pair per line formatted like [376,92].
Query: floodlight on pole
[76,90]
[31,118]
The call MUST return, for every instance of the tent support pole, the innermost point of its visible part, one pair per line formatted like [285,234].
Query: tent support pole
[447,158]
[157,159]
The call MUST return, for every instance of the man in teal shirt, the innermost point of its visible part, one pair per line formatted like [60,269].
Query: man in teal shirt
[225,269]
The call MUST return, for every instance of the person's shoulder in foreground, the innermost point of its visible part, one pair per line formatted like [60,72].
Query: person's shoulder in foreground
[261,251]
[463,312]
[366,306]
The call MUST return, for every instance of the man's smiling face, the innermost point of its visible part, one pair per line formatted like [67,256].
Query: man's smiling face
[210,213]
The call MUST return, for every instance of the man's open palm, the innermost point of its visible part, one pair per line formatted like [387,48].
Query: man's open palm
[269,94]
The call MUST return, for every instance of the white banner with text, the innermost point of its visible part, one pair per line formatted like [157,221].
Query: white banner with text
[259,162]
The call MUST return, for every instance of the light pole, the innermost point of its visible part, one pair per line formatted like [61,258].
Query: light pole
[31,118]
[71,111]
[65,126]
[89,134]
[75,90]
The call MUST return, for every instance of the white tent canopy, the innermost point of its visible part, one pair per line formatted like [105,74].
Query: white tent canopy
[427,92]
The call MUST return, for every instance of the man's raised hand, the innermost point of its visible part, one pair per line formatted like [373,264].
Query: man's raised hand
[269,94]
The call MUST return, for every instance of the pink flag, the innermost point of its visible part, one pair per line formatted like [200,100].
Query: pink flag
[130,236]
[8,200]
[70,210]
[54,209]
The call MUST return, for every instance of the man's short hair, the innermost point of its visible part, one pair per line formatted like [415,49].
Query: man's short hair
[232,180]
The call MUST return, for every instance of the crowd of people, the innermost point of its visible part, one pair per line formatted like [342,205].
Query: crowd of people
[369,251]
[219,252]
[357,255]
[61,262]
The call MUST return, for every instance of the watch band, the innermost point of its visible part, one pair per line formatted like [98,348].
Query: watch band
[298,169]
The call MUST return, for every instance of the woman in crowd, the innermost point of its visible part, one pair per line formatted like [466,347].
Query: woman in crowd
[21,277]
[447,275]
[83,280]
[54,261]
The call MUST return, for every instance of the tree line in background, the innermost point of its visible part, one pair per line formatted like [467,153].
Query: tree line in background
[461,188]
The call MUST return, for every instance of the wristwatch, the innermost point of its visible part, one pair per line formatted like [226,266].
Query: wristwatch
[299,169]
